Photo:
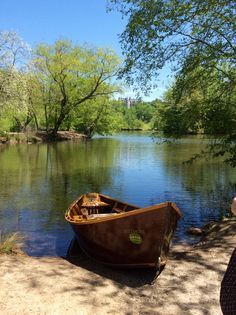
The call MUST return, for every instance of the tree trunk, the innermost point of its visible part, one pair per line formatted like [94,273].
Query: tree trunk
[36,121]
[60,119]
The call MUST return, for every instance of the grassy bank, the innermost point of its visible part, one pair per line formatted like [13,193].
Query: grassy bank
[11,243]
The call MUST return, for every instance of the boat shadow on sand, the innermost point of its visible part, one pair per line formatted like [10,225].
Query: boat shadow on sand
[132,277]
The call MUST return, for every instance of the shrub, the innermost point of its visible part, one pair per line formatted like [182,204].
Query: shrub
[11,243]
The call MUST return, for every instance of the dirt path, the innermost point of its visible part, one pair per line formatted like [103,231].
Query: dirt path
[189,284]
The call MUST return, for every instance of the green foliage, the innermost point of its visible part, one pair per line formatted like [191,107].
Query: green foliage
[15,91]
[5,123]
[104,116]
[201,101]
[69,87]
[199,37]
[168,119]
[144,111]
[130,119]
[139,116]
[160,31]
[71,75]
[96,116]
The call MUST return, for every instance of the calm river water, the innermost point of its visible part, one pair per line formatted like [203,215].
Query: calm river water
[39,181]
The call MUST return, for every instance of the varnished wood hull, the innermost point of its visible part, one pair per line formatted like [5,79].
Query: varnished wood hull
[139,238]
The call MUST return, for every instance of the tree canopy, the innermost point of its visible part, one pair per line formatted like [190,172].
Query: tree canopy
[198,38]
[14,53]
[162,31]
[71,75]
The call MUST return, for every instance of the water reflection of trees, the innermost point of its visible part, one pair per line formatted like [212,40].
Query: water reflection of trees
[208,179]
[38,182]
[46,178]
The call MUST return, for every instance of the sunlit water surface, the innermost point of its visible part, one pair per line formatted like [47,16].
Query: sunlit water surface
[39,181]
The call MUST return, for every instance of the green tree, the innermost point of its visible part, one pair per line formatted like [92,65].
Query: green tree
[201,101]
[209,97]
[129,116]
[162,31]
[169,116]
[144,111]
[33,114]
[198,37]
[71,75]
[215,105]
[97,116]
[14,94]
[14,52]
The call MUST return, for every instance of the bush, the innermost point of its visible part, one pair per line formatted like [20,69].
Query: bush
[11,243]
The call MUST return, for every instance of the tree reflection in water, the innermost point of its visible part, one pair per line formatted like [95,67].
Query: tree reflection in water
[39,181]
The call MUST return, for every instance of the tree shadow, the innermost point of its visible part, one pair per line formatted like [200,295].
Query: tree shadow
[189,284]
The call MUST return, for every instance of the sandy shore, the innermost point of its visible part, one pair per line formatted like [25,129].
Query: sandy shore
[189,284]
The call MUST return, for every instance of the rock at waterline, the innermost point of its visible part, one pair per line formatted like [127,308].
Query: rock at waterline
[195,231]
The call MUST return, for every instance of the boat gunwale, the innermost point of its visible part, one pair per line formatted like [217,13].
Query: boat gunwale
[120,215]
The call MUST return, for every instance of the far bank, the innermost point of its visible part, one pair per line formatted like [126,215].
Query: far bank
[40,136]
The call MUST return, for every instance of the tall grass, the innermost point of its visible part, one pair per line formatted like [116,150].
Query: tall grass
[11,243]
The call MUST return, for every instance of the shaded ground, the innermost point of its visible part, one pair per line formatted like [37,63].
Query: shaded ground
[189,284]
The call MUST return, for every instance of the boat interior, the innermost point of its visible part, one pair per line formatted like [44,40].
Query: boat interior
[93,205]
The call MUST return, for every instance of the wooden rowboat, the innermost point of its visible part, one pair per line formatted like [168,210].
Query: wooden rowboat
[120,234]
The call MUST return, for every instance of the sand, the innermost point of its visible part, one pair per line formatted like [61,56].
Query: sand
[189,284]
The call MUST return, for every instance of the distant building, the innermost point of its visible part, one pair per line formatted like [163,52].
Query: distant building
[128,101]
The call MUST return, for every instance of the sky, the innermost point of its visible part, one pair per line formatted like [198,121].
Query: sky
[82,21]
